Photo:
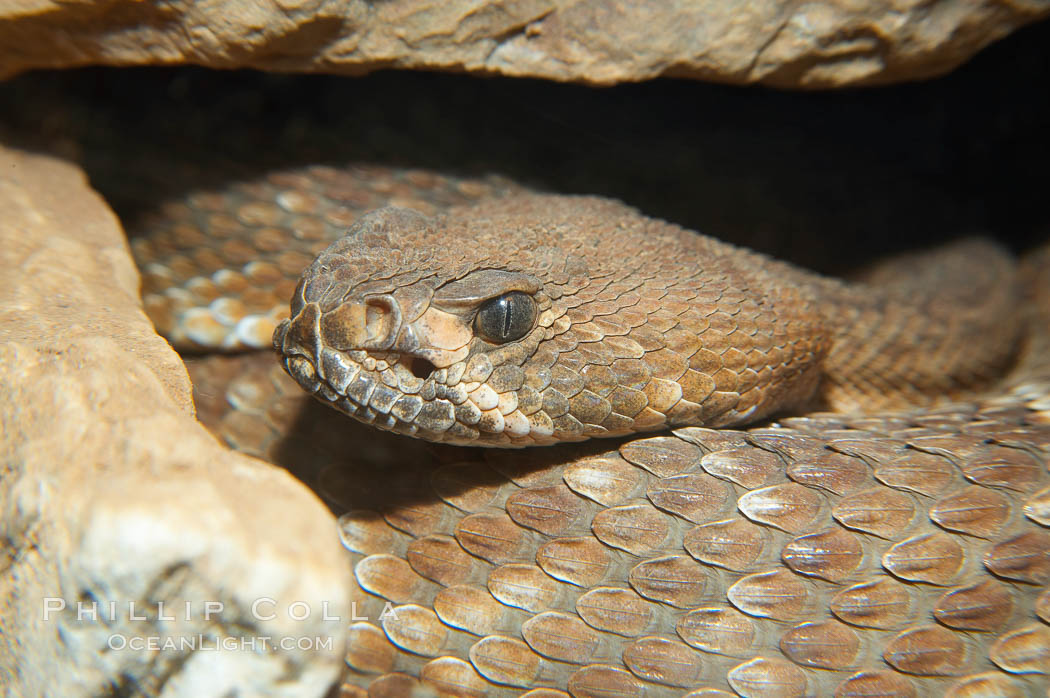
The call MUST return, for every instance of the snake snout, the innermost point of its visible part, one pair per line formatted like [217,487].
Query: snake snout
[296,341]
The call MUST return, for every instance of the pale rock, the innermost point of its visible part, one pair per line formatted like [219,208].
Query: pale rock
[111,491]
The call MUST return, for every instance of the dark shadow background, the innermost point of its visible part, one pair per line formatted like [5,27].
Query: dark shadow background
[827,179]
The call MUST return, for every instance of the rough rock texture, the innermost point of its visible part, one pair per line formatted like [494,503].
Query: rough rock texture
[813,44]
[111,492]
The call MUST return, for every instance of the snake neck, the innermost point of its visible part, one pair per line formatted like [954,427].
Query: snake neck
[921,330]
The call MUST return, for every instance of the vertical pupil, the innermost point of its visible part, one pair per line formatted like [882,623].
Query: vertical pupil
[507,313]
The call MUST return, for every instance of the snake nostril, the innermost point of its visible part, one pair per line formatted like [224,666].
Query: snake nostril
[421,368]
[382,321]
[377,321]
[372,324]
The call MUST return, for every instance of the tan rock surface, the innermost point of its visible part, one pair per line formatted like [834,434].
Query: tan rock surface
[111,492]
[812,44]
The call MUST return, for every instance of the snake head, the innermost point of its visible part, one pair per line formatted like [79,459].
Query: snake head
[528,320]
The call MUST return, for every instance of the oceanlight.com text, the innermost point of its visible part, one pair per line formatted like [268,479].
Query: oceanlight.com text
[209,643]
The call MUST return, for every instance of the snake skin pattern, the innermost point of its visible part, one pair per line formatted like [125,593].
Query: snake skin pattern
[889,553]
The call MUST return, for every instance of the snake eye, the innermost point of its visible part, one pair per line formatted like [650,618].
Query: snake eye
[506,318]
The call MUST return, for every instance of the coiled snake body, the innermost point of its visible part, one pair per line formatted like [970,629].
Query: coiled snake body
[856,552]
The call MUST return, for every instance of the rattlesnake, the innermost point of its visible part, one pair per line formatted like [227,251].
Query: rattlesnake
[872,552]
